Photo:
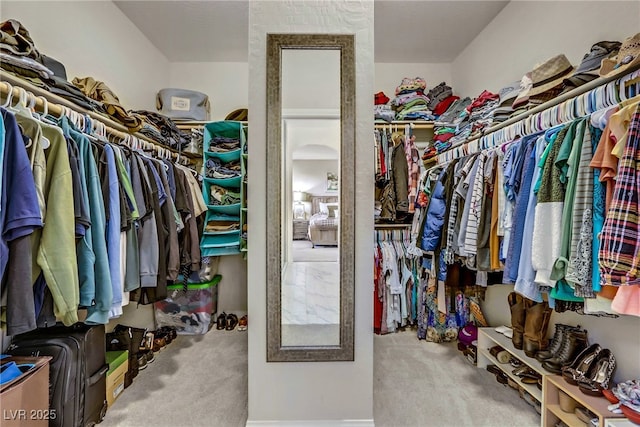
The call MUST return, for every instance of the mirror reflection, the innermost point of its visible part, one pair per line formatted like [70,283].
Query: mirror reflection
[310,207]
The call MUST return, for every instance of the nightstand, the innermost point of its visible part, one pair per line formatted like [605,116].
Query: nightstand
[300,229]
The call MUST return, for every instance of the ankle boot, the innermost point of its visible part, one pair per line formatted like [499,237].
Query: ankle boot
[518,313]
[535,328]
[575,342]
[554,345]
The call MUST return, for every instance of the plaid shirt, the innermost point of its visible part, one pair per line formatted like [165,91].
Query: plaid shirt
[619,255]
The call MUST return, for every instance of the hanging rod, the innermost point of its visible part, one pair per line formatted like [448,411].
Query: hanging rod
[391,226]
[574,93]
[56,103]
[190,124]
[413,124]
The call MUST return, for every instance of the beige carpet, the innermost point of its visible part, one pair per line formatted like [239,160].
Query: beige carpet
[417,383]
[303,250]
[194,381]
[202,381]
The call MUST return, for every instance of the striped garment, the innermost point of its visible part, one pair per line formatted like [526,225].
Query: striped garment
[619,256]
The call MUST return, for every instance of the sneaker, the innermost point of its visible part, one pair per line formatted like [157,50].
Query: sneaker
[242,323]
[142,362]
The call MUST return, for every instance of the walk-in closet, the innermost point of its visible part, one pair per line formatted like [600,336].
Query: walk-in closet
[320,213]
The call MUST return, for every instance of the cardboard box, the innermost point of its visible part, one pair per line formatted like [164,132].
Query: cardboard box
[24,401]
[118,362]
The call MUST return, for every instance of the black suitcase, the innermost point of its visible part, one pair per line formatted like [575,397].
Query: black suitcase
[78,371]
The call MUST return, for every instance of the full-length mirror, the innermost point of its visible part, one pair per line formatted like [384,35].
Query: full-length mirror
[310,212]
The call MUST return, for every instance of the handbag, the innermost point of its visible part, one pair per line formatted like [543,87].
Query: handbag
[183,104]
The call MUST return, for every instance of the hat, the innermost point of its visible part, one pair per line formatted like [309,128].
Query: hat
[508,94]
[239,115]
[588,68]
[550,74]
[628,56]
[380,98]
[409,85]
[599,51]
[523,93]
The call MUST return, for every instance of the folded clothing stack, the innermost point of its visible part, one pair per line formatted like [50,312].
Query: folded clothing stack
[410,102]
[215,169]
[163,130]
[445,127]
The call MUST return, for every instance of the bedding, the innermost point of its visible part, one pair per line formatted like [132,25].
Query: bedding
[324,221]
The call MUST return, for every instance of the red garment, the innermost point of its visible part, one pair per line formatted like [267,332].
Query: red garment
[380,98]
[482,99]
[444,105]
[444,137]
[377,300]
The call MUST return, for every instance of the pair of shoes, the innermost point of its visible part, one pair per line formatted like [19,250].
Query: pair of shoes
[227,321]
[243,323]
[578,369]
[529,320]
[221,321]
[494,369]
[598,377]
[573,342]
[530,377]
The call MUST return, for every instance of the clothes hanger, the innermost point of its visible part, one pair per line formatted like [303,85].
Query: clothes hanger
[7,102]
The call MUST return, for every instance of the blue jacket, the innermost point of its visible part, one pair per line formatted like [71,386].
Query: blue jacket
[434,220]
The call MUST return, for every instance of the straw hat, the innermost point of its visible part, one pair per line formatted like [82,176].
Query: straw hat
[628,56]
[240,115]
[550,74]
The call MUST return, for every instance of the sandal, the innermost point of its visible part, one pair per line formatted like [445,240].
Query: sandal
[242,323]
[221,321]
[232,321]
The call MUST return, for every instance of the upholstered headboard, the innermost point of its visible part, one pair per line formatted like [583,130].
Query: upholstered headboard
[316,200]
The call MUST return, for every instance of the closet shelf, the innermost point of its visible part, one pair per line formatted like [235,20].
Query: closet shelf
[55,104]
[532,389]
[600,81]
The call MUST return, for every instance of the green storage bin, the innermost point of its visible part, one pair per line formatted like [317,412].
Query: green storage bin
[189,308]
[115,359]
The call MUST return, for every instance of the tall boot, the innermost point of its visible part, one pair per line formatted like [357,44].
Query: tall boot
[518,312]
[554,345]
[535,328]
[574,343]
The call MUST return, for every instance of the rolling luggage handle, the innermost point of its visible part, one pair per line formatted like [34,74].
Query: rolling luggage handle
[96,377]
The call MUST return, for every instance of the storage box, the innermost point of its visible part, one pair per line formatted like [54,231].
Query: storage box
[118,362]
[189,308]
[24,401]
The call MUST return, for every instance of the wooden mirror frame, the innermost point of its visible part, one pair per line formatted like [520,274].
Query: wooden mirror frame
[276,43]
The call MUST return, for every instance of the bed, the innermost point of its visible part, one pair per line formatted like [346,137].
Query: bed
[324,221]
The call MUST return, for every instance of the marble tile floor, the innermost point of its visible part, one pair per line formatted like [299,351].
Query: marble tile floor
[310,304]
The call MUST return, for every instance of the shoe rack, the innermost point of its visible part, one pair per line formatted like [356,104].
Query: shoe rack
[552,412]
[487,338]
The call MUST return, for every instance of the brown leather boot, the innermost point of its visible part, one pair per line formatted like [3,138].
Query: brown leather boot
[535,328]
[518,313]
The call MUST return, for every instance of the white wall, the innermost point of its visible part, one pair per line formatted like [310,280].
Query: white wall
[311,391]
[526,33]
[94,38]
[388,76]
[226,83]
[310,176]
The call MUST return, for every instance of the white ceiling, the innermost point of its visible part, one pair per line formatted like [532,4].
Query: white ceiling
[217,31]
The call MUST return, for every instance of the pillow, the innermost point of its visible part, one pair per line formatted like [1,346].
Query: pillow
[323,208]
